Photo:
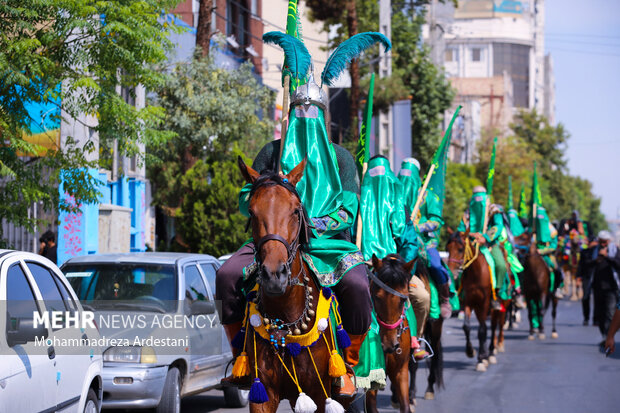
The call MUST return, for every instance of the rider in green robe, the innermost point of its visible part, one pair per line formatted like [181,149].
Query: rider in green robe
[547,244]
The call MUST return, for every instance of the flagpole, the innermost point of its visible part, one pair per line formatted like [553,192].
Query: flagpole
[284,126]
[418,201]
[358,233]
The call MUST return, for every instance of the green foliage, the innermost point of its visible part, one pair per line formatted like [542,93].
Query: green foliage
[460,181]
[90,47]
[209,220]
[211,110]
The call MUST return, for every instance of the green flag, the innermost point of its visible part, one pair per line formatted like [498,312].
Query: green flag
[436,190]
[535,197]
[491,173]
[293,28]
[509,204]
[522,203]
[363,144]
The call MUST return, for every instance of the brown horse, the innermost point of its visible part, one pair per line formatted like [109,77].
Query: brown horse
[536,281]
[476,287]
[568,261]
[432,333]
[287,293]
[389,289]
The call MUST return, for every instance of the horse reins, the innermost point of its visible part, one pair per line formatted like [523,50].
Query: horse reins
[399,323]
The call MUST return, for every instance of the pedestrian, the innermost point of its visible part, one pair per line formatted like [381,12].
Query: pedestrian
[610,345]
[605,265]
[585,274]
[49,250]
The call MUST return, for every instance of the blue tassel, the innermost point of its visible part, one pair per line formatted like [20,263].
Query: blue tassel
[343,338]
[294,349]
[237,341]
[327,292]
[258,394]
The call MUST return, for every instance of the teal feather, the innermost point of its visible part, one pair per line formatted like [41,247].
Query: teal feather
[348,50]
[297,56]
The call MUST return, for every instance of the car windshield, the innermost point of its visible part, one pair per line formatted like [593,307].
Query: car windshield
[139,287]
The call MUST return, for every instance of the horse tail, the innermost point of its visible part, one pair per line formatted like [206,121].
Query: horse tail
[439,366]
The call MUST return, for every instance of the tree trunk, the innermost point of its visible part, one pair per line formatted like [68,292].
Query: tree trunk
[203,31]
[354,71]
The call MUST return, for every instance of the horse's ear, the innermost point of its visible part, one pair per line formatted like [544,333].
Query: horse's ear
[376,263]
[450,230]
[297,173]
[249,174]
[409,266]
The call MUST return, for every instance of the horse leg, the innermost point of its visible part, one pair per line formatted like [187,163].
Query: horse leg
[413,370]
[541,316]
[371,401]
[531,313]
[469,348]
[492,344]
[554,308]
[436,367]
[403,388]
[483,356]
[500,339]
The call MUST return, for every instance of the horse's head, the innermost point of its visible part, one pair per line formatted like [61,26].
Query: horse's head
[279,224]
[456,249]
[526,244]
[390,289]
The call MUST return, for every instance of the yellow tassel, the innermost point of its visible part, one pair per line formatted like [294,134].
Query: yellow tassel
[242,366]
[336,365]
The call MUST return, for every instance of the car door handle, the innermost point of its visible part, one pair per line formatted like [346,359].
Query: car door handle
[51,353]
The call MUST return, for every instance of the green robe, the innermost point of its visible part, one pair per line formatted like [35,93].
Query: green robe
[409,177]
[382,209]
[516,228]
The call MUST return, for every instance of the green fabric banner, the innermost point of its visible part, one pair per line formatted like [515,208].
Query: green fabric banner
[509,204]
[522,203]
[491,173]
[436,190]
[363,144]
[293,28]
[535,197]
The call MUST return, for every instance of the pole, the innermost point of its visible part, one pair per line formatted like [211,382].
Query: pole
[358,236]
[418,202]
[284,126]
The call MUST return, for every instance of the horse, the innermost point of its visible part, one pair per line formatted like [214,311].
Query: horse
[432,334]
[568,261]
[477,290]
[287,294]
[536,282]
[390,291]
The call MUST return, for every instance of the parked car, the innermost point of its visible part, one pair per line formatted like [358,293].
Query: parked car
[44,368]
[154,286]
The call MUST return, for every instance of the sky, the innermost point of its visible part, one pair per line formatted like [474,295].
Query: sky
[584,40]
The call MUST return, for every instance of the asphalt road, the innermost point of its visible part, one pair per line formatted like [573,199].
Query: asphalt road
[564,375]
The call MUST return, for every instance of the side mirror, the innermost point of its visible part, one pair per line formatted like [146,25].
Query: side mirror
[22,331]
[202,307]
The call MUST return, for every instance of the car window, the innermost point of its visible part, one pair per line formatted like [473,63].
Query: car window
[195,289]
[139,287]
[47,286]
[20,298]
[209,271]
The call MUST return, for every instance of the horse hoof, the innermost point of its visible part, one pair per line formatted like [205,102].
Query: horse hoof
[495,350]
[530,337]
[481,367]
[554,335]
[573,298]
[492,360]
[501,348]
[542,336]
[395,405]
[518,317]
[471,354]
[429,396]
[485,362]
[411,408]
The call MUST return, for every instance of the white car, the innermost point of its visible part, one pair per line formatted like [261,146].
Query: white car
[53,367]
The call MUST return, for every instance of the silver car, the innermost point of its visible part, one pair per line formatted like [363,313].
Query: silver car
[157,313]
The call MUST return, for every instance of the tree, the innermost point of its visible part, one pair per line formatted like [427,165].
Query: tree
[72,56]
[216,114]
[203,30]
[208,219]
[460,181]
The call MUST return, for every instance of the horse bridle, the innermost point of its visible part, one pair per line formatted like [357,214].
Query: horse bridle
[399,323]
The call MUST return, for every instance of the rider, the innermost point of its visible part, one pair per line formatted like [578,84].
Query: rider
[488,241]
[383,217]
[547,244]
[427,224]
[328,190]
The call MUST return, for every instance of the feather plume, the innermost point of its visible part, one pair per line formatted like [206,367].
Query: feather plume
[297,56]
[348,50]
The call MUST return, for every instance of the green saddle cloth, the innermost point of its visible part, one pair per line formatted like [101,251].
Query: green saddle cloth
[435,311]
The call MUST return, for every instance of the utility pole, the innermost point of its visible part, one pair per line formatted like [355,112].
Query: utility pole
[384,144]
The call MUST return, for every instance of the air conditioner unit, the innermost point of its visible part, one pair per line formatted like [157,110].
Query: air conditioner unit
[232,41]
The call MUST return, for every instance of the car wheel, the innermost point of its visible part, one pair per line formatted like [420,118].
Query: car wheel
[92,404]
[235,397]
[171,396]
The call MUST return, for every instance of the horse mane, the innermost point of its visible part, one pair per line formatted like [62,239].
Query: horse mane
[392,272]
[271,178]
[455,236]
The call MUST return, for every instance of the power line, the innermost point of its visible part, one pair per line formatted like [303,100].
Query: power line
[555,49]
[583,42]
[604,36]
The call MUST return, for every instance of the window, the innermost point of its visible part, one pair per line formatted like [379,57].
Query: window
[47,286]
[451,55]
[209,271]
[20,298]
[514,59]
[476,53]
[195,289]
